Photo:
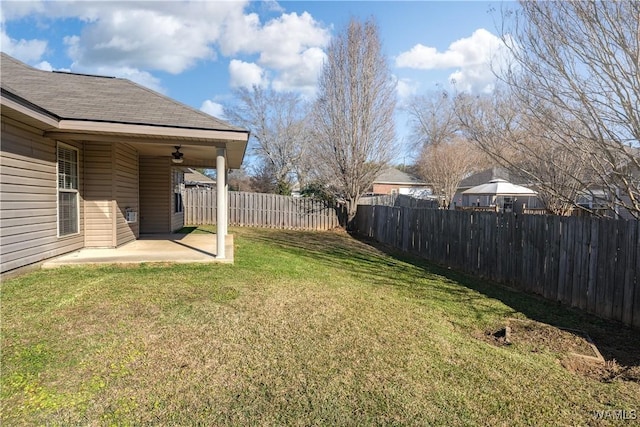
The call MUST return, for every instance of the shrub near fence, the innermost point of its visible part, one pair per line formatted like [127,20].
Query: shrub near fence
[586,262]
[260,210]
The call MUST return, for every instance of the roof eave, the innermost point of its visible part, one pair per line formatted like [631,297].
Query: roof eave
[401,183]
[15,104]
[95,127]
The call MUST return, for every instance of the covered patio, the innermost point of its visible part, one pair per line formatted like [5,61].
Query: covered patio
[91,164]
[156,248]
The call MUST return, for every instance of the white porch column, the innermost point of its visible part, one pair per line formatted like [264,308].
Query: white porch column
[221,203]
[226,201]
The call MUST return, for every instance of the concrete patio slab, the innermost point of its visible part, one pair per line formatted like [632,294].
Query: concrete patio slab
[172,248]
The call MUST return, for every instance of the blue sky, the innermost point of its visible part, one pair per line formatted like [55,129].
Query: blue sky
[196,52]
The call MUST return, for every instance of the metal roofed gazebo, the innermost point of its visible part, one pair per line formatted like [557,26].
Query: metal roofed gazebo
[500,187]
[500,194]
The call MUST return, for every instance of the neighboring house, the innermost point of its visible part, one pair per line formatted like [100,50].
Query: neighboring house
[485,176]
[195,179]
[593,198]
[88,161]
[480,178]
[394,181]
[612,200]
[499,195]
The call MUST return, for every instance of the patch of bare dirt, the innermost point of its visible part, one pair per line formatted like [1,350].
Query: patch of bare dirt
[580,354]
[607,371]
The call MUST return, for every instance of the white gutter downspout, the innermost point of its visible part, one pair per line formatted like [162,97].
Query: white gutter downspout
[221,203]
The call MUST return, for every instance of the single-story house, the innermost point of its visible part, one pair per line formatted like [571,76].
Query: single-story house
[395,181]
[196,179]
[90,162]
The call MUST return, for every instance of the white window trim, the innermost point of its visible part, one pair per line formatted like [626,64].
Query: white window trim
[67,190]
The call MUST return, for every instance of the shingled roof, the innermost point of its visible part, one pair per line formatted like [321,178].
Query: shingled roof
[484,176]
[396,176]
[96,98]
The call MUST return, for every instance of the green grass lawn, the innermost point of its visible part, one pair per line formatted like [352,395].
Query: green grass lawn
[306,328]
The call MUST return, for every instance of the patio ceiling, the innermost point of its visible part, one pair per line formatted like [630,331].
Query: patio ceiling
[199,146]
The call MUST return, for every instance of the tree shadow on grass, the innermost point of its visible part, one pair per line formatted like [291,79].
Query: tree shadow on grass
[616,341]
[385,266]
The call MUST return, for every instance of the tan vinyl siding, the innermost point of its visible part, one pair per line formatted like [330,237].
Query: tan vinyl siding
[155,195]
[111,186]
[28,198]
[126,192]
[98,195]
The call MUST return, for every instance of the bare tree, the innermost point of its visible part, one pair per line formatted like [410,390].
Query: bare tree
[445,158]
[353,115]
[447,163]
[521,144]
[277,124]
[239,180]
[432,118]
[580,61]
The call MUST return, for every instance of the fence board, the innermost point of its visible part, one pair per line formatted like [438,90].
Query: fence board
[586,262]
[630,279]
[636,290]
[260,210]
[616,271]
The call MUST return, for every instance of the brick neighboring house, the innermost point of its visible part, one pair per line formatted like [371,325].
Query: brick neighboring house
[394,181]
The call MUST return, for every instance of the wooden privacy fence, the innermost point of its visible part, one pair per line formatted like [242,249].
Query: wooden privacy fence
[399,200]
[586,262]
[260,210]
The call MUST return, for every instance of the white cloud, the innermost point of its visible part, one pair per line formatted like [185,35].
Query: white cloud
[303,75]
[474,79]
[406,88]
[23,50]
[174,36]
[428,58]
[18,9]
[213,109]
[291,45]
[246,74]
[472,56]
[44,66]
[284,41]
[476,49]
[167,36]
[148,35]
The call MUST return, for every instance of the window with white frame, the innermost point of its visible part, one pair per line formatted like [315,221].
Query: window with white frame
[68,206]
